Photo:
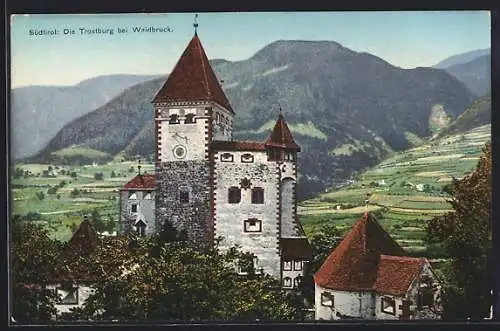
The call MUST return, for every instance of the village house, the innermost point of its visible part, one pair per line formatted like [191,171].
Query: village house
[212,186]
[368,276]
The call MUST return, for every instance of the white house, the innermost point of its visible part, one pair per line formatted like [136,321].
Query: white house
[368,276]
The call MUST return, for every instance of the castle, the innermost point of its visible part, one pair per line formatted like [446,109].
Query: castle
[212,186]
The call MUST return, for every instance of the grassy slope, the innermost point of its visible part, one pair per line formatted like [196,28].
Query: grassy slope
[402,210]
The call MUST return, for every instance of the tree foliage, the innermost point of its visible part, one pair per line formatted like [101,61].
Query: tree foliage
[162,279]
[466,235]
[33,255]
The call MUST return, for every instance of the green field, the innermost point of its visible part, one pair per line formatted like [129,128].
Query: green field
[63,207]
[403,192]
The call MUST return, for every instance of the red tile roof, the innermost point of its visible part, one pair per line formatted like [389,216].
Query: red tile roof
[144,181]
[368,259]
[295,249]
[281,136]
[395,273]
[193,79]
[223,145]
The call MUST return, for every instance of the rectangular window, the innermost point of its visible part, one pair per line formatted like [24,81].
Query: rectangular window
[253,225]
[287,265]
[388,305]
[184,196]
[297,281]
[234,195]
[69,296]
[134,208]
[258,195]
[287,282]
[226,157]
[327,299]
[247,158]
[297,265]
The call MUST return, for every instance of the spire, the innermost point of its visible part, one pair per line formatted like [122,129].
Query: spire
[193,79]
[195,24]
[281,136]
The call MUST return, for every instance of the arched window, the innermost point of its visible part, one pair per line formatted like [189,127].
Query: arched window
[234,194]
[140,227]
[174,119]
[287,282]
[190,119]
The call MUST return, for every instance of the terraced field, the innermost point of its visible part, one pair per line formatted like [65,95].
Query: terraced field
[403,192]
[64,207]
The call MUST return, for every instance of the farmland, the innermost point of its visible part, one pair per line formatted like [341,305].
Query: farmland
[61,195]
[403,192]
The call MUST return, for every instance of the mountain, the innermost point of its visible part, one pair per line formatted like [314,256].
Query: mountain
[475,74]
[39,112]
[478,114]
[462,58]
[346,110]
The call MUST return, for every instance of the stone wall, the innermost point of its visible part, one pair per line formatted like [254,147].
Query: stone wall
[196,215]
[145,211]
[229,218]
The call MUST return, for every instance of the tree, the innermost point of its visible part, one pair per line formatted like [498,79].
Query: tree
[113,174]
[33,255]
[99,176]
[466,236]
[40,195]
[142,280]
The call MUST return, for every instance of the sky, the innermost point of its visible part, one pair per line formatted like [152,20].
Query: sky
[404,39]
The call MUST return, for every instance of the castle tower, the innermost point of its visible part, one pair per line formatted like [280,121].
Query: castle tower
[282,149]
[191,110]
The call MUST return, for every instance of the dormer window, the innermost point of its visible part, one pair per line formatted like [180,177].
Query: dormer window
[190,119]
[148,196]
[174,119]
[132,196]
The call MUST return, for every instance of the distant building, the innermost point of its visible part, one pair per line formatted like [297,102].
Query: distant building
[368,276]
[137,205]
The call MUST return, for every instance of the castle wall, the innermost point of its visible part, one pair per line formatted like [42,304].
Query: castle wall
[194,216]
[230,218]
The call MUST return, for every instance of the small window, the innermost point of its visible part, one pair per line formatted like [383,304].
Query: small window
[253,225]
[190,119]
[287,265]
[297,265]
[247,158]
[287,282]
[148,196]
[290,156]
[234,195]
[184,196]
[388,305]
[69,296]
[297,281]
[174,119]
[132,196]
[257,195]
[133,208]
[327,299]
[226,157]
